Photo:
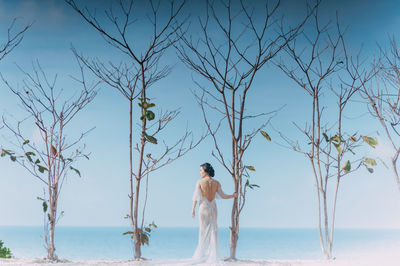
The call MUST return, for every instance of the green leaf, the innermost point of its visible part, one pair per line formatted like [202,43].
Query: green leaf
[25,142]
[370,170]
[265,134]
[76,170]
[5,152]
[28,155]
[252,186]
[44,206]
[335,139]
[354,139]
[13,158]
[370,161]
[251,168]
[42,169]
[146,105]
[338,148]
[153,224]
[150,115]
[145,239]
[127,233]
[371,141]
[326,137]
[37,161]
[147,229]
[150,139]
[346,168]
[145,98]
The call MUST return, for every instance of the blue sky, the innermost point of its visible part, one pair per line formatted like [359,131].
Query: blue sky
[100,198]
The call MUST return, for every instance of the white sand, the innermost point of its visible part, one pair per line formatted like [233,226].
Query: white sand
[350,262]
[376,257]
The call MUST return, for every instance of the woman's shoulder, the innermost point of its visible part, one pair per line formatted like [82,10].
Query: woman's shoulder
[216,182]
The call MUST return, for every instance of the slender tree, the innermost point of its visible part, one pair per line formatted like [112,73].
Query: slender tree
[234,42]
[133,80]
[321,66]
[382,95]
[50,159]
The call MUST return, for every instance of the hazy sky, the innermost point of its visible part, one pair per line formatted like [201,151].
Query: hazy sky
[100,198]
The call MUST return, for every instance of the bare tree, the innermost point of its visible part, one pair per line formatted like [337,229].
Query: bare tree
[50,158]
[231,48]
[383,97]
[133,80]
[320,65]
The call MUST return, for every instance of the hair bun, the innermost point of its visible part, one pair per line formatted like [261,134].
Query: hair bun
[208,169]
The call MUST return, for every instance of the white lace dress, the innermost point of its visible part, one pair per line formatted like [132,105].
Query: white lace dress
[207,250]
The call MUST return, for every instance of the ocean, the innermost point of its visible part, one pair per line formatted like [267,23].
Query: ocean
[81,243]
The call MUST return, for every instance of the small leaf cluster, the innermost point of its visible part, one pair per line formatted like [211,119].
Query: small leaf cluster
[343,145]
[144,234]
[32,158]
[45,206]
[28,155]
[147,115]
[252,168]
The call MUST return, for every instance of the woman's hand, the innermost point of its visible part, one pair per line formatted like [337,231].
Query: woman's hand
[193,213]
[234,195]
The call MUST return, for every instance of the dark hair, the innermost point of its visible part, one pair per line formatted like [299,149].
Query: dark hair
[208,169]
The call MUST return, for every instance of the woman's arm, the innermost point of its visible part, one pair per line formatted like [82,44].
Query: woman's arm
[223,195]
[193,208]
[196,197]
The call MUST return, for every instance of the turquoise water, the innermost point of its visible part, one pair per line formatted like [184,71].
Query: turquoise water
[260,243]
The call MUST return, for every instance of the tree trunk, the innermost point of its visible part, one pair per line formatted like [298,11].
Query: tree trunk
[138,241]
[233,243]
[233,240]
[51,255]
[138,231]
[234,235]
[333,217]
[326,225]
[134,202]
[51,248]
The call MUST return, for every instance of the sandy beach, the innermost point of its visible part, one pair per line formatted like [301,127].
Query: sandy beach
[367,261]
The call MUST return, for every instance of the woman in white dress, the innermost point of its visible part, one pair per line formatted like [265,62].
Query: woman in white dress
[205,192]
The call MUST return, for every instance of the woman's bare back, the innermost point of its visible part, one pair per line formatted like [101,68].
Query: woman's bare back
[209,188]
